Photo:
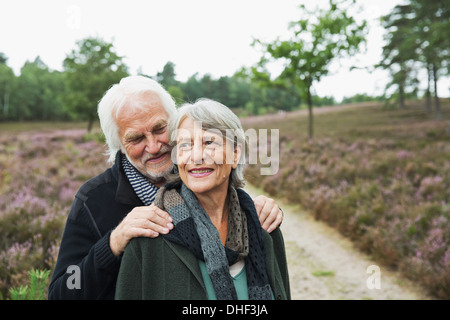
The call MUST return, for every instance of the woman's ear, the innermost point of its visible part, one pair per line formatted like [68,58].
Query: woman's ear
[237,155]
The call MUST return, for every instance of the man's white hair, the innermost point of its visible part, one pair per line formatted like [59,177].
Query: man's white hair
[121,94]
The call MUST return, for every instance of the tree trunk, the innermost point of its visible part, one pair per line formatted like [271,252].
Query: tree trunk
[90,124]
[401,93]
[436,98]
[310,111]
[428,93]
[5,105]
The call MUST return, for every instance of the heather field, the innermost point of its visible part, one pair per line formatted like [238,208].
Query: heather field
[381,177]
[40,172]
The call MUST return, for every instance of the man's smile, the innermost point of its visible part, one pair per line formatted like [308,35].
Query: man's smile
[157,159]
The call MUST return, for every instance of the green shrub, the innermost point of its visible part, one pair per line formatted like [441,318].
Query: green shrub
[35,290]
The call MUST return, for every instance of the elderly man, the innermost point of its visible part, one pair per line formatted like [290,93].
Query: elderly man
[112,208]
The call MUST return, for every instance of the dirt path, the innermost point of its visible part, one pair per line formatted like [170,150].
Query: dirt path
[325,265]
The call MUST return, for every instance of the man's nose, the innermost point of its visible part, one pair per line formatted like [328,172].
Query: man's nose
[153,146]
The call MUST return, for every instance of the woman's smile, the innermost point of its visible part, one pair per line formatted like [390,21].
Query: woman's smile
[200,172]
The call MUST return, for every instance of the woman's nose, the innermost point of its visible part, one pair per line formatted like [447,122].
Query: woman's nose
[197,153]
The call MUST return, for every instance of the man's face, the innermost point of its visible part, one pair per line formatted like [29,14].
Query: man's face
[145,137]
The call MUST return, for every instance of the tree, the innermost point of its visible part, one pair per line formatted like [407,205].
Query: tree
[90,70]
[399,53]
[239,91]
[7,81]
[39,92]
[3,58]
[431,21]
[176,93]
[36,94]
[222,92]
[317,39]
[418,32]
[192,89]
[167,76]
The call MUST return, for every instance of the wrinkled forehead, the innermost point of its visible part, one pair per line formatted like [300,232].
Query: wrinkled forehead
[141,115]
[137,104]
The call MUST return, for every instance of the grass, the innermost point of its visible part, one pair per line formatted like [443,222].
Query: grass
[9,128]
[370,121]
[323,273]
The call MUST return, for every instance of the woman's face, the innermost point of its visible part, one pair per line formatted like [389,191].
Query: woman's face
[205,158]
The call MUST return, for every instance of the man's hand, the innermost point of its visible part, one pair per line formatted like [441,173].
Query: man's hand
[270,215]
[148,221]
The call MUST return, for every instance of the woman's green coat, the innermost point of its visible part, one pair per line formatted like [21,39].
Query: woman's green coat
[153,269]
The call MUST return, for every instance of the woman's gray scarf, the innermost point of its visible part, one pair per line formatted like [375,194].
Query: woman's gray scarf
[194,230]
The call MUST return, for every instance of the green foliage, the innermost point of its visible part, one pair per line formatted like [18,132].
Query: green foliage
[167,76]
[35,290]
[7,82]
[36,94]
[417,37]
[238,92]
[361,98]
[323,273]
[90,70]
[3,58]
[39,93]
[176,93]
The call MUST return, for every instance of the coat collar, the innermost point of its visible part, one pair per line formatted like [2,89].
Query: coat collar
[124,192]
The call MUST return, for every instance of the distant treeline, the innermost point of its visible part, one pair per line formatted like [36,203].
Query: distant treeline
[39,93]
[416,38]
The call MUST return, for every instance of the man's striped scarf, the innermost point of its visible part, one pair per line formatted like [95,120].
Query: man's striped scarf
[194,230]
[145,190]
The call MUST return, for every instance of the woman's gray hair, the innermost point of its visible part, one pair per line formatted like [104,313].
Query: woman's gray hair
[213,116]
[121,94]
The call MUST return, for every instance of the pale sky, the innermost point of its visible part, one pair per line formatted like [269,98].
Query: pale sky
[204,36]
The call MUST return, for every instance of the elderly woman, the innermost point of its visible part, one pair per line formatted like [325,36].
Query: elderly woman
[217,249]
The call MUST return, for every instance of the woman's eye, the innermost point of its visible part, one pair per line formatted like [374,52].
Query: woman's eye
[185,146]
[212,144]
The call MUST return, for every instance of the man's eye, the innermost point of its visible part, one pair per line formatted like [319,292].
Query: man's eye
[160,130]
[135,139]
